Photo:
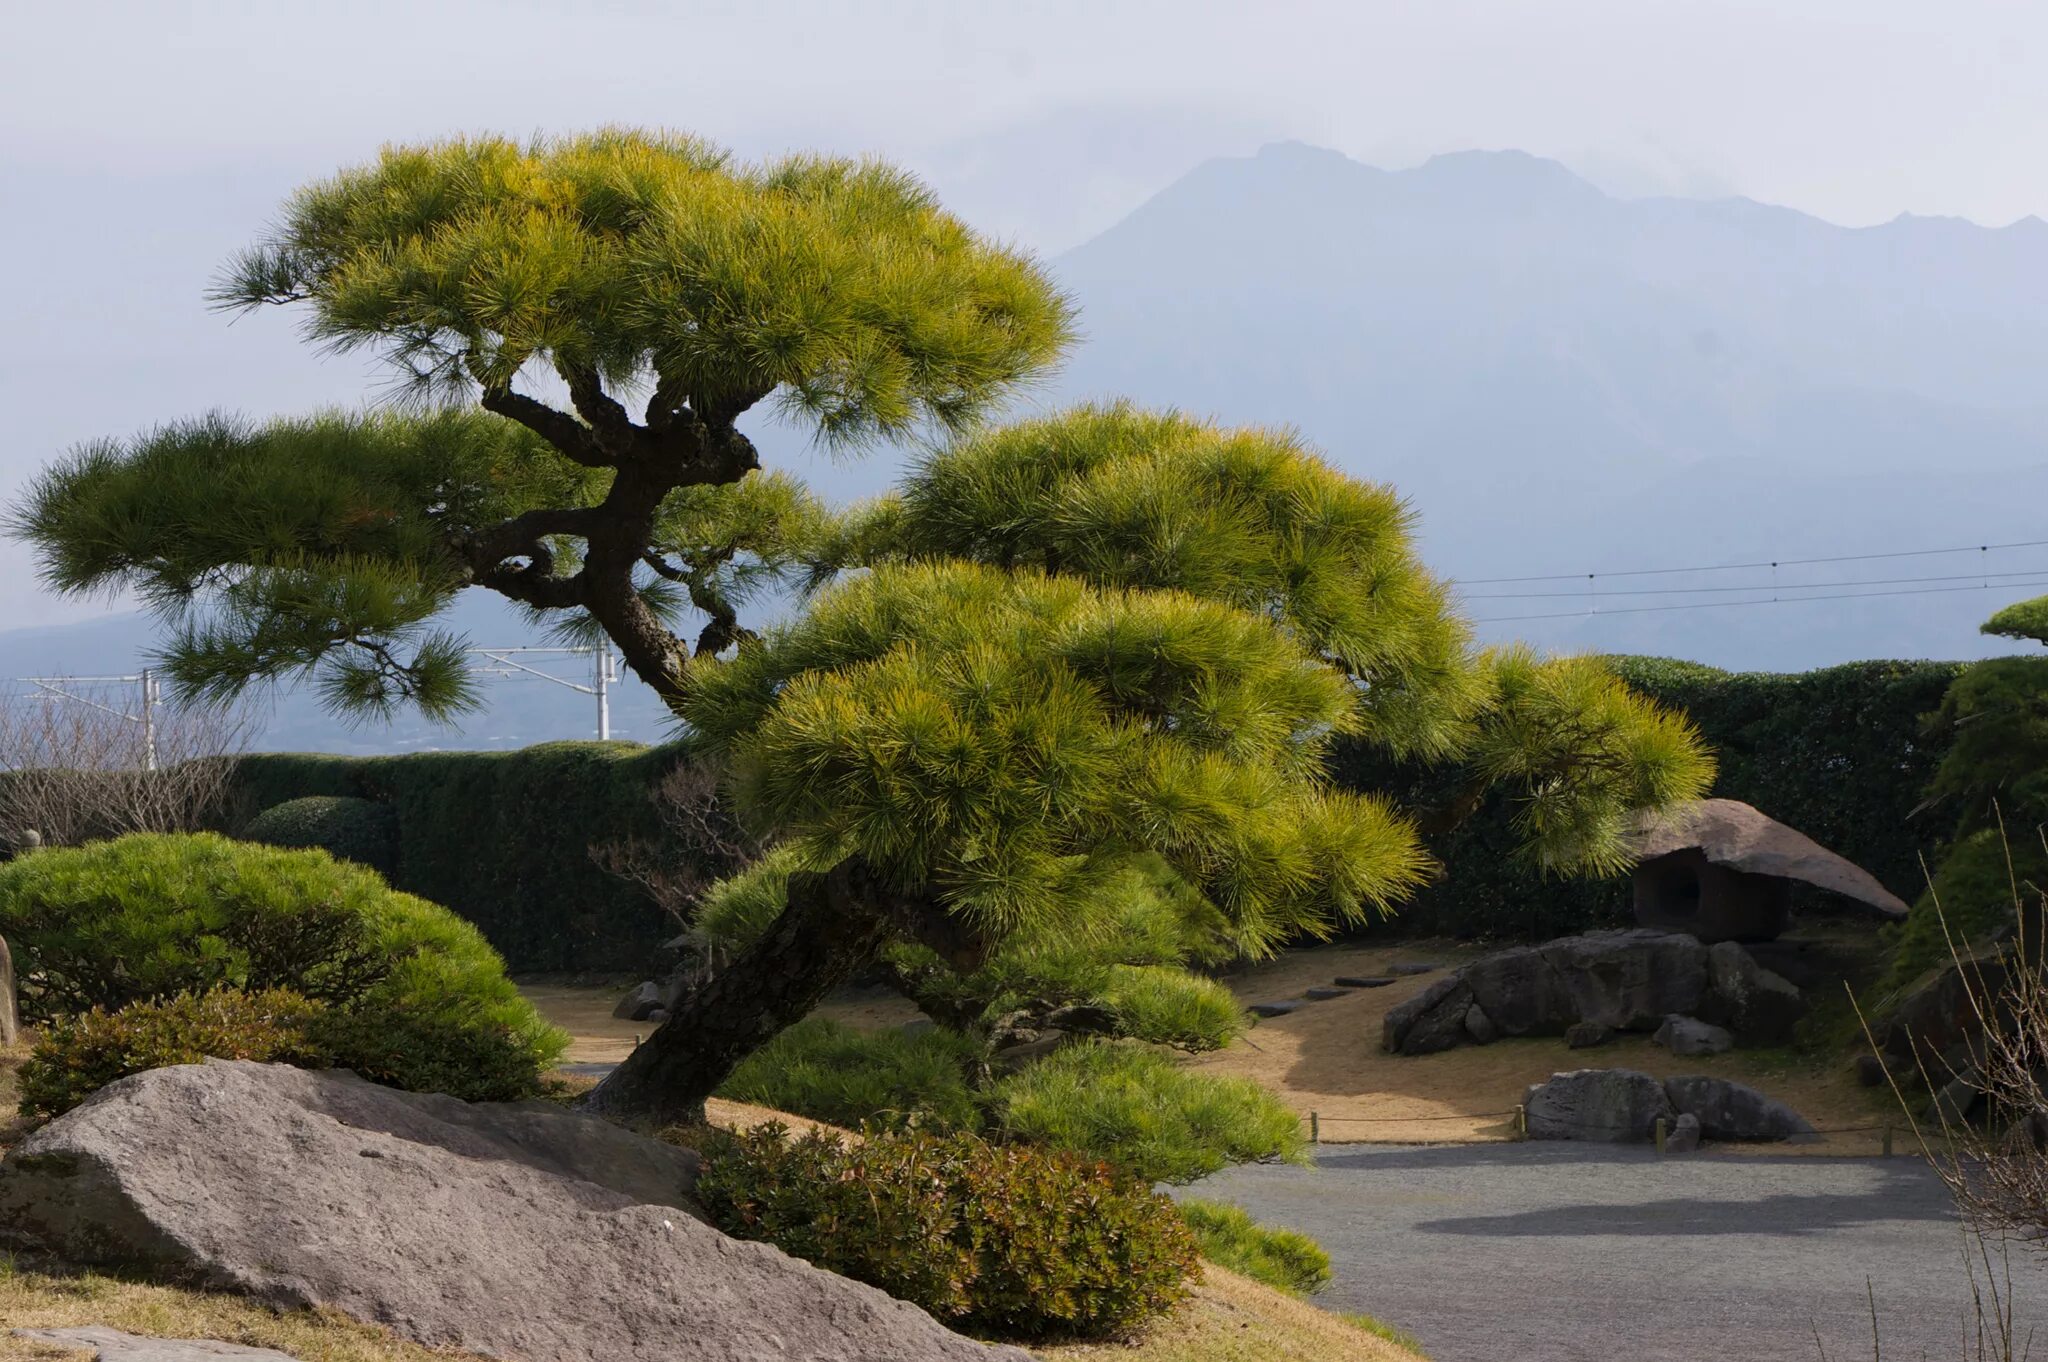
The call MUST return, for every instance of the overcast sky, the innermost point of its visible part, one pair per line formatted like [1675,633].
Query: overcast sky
[140,143]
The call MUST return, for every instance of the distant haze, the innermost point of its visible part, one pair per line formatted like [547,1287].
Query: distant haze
[1606,353]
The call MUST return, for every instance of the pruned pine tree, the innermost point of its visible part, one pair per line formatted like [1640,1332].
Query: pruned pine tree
[1105,644]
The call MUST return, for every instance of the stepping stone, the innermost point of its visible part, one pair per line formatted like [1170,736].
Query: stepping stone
[1414,967]
[1276,1009]
[1364,980]
[585,1070]
[1317,995]
[111,1345]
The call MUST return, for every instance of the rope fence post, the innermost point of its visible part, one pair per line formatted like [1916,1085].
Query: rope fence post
[1660,1134]
[1315,1128]
[1521,1122]
[1887,1141]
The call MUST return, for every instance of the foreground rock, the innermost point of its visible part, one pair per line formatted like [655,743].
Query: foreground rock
[1624,1105]
[522,1231]
[111,1345]
[1690,1036]
[1622,981]
[1608,1105]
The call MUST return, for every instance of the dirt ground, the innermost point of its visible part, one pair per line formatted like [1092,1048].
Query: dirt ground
[1326,1059]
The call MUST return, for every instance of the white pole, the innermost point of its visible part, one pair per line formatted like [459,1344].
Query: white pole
[604,695]
[148,719]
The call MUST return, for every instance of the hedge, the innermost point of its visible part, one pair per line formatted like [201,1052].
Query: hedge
[504,839]
[1841,754]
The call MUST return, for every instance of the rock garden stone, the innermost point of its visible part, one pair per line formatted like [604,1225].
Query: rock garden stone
[1414,967]
[1478,1027]
[1279,1009]
[1956,1100]
[1733,1111]
[1610,1105]
[1870,1071]
[1364,980]
[1626,981]
[521,1231]
[1586,1035]
[1684,1135]
[1690,1036]
[112,1345]
[1320,994]
[637,1005]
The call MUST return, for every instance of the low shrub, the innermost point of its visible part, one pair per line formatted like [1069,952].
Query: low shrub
[1135,1108]
[1009,1242]
[828,1072]
[417,995]
[1172,1006]
[1286,1260]
[361,830]
[77,1056]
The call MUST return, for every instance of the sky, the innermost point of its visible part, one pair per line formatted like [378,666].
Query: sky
[140,144]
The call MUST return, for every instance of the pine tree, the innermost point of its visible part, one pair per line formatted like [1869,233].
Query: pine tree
[1071,651]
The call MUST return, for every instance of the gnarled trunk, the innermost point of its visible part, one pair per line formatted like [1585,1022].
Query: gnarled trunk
[10,1019]
[833,924]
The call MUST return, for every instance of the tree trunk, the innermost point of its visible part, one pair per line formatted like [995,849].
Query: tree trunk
[833,924]
[10,1019]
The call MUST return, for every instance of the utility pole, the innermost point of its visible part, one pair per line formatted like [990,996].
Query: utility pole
[505,663]
[603,689]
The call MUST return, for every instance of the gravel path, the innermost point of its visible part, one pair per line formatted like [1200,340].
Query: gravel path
[1559,1252]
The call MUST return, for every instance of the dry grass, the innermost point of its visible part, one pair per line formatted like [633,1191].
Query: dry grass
[1234,1319]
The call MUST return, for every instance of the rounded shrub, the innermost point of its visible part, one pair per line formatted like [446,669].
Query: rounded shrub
[1134,1107]
[361,830]
[828,1072]
[1005,1241]
[413,992]
[77,1056]
[1285,1260]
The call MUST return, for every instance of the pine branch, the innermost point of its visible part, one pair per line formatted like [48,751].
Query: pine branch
[563,431]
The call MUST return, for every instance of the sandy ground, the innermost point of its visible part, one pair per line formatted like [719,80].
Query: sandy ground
[1326,1059]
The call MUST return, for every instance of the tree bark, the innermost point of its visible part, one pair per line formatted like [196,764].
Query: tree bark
[834,923]
[10,1018]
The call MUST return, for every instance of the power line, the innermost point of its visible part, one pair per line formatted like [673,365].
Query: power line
[1981,577]
[1736,567]
[1761,600]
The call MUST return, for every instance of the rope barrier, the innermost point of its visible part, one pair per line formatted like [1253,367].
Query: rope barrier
[1316,1119]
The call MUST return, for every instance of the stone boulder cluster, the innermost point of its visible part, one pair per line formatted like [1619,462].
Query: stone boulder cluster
[1623,1105]
[1695,998]
[549,1234]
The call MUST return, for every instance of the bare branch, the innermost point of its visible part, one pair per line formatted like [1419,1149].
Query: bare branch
[558,428]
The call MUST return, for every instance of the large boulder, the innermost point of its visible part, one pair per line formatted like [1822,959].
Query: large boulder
[113,1345]
[1610,1105]
[521,1231]
[1622,980]
[1691,1036]
[1733,1111]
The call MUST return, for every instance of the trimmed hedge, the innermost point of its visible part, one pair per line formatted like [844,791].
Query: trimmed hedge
[1841,754]
[503,838]
[347,828]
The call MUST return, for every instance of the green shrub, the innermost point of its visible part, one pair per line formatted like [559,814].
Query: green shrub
[1283,1259]
[828,1072]
[1003,1241]
[1135,1108]
[504,839]
[77,1056]
[359,830]
[146,917]
[1170,1006]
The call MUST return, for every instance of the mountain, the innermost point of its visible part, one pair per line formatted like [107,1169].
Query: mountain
[1563,382]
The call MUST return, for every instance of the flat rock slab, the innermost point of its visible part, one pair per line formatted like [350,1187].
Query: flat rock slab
[1408,967]
[522,1231]
[1364,980]
[1322,995]
[1279,1009]
[111,1345]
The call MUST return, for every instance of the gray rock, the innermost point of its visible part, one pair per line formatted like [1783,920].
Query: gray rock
[1957,1100]
[1733,1111]
[1610,1105]
[112,1345]
[1432,1020]
[1363,980]
[1279,1009]
[1759,1007]
[1407,967]
[636,1006]
[521,1231]
[1690,1036]
[1630,980]
[1478,1027]
[1586,1035]
[1870,1071]
[1320,994]
[1684,1135]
